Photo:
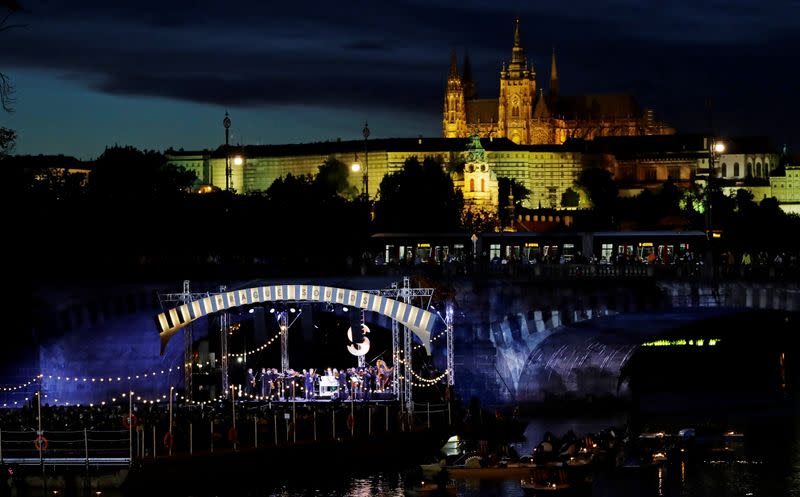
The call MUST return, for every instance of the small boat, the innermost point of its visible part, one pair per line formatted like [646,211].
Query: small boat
[472,470]
[548,480]
[426,488]
[545,488]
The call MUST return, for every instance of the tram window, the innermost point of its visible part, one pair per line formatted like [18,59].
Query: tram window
[390,253]
[665,253]
[606,251]
[551,251]
[512,251]
[531,253]
[644,252]
[402,253]
[569,251]
[458,250]
[626,250]
[494,251]
[424,253]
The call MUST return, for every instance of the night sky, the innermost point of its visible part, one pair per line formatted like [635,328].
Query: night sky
[162,74]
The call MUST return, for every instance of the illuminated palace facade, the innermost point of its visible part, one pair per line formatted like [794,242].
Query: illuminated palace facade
[546,170]
[526,115]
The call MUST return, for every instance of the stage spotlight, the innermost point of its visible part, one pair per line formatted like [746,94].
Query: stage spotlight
[345,309]
[292,310]
[272,310]
[251,311]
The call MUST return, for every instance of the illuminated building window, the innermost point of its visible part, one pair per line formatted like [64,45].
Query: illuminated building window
[472,185]
[483,185]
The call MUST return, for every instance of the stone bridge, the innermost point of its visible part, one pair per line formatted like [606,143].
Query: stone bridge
[518,339]
[532,341]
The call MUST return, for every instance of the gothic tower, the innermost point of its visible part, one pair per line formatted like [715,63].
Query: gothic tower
[454,124]
[553,76]
[517,95]
[469,84]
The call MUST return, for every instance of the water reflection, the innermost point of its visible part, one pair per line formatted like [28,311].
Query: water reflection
[765,463]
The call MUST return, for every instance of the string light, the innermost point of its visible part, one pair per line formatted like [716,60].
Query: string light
[258,349]
[433,339]
[21,386]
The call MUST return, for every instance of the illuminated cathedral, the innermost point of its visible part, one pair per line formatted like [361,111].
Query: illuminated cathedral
[526,115]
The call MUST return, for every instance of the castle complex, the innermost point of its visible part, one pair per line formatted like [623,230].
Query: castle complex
[522,135]
[526,116]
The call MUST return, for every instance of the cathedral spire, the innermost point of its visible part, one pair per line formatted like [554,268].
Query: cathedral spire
[517,53]
[453,66]
[469,84]
[553,76]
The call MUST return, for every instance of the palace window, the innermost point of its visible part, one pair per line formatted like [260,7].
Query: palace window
[749,171]
[735,169]
[483,185]
[472,185]
[724,170]
[515,111]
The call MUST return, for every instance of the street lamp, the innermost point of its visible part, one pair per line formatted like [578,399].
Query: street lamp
[716,148]
[227,124]
[356,167]
[365,132]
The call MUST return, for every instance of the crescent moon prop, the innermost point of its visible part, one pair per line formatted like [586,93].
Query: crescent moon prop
[358,349]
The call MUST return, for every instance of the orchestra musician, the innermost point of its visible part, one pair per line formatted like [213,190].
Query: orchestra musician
[266,389]
[250,384]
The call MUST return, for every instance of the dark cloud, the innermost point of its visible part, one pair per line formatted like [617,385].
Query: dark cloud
[368,45]
[394,55]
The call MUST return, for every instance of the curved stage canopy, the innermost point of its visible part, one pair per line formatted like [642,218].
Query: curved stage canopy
[418,320]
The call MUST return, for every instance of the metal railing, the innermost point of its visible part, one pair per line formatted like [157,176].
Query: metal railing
[255,427]
[72,447]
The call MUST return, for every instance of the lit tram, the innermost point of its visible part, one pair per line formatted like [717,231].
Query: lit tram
[530,246]
[667,246]
[421,247]
[604,246]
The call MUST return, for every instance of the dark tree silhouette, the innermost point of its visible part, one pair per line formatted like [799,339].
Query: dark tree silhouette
[520,193]
[332,179]
[7,136]
[419,198]
[570,198]
[602,191]
[125,172]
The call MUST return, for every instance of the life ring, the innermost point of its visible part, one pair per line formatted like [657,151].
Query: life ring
[232,435]
[168,440]
[40,443]
[351,422]
[129,422]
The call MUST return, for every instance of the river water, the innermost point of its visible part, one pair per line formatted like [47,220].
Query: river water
[769,467]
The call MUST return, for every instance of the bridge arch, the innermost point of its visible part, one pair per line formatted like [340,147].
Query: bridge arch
[416,319]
